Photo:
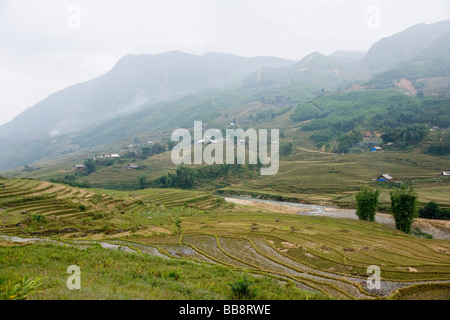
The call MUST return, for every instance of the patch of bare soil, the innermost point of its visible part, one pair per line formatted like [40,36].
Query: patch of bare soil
[267,206]
[407,85]
[440,229]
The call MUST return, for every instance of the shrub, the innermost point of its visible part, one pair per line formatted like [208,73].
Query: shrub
[37,218]
[367,203]
[404,207]
[177,228]
[175,275]
[241,289]
[432,211]
[97,198]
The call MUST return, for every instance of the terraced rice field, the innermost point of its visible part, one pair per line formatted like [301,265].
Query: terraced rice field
[258,256]
[319,254]
[23,199]
[177,198]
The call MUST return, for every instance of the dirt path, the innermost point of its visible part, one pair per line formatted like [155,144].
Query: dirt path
[243,112]
[316,151]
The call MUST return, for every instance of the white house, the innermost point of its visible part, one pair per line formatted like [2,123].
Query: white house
[446,173]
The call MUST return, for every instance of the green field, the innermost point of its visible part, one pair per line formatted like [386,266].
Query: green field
[313,177]
[199,235]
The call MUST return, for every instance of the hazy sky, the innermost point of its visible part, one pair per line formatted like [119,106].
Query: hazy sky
[47,45]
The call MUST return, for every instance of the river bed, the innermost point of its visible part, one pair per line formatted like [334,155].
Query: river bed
[439,229]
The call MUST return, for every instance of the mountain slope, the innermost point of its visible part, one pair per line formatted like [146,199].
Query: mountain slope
[404,46]
[325,71]
[135,80]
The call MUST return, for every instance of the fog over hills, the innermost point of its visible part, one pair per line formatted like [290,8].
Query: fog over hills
[421,39]
[135,80]
[139,85]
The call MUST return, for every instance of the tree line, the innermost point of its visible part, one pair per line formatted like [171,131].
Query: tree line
[403,206]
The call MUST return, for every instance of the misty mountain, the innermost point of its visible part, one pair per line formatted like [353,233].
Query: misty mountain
[160,92]
[419,40]
[315,69]
[135,81]
[417,59]
[348,54]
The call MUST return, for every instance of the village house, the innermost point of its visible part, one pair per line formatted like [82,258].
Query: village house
[132,167]
[376,149]
[384,178]
[446,173]
[78,167]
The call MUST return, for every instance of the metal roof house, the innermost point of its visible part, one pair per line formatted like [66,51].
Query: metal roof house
[376,149]
[384,178]
[446,173]
[78,167]
[132,167]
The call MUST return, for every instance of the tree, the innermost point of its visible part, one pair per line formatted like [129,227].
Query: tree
[146,152]
[225,169]
[157,149]
[142,182]
[404,207]
[367,203]
[430,211]
[90,165]
[345,142]
[286,148]
[185,177]
[171,144]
